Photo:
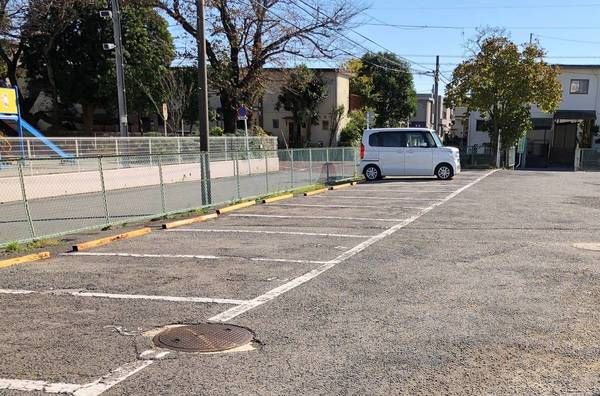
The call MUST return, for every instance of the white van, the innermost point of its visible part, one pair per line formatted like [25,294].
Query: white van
[407,152]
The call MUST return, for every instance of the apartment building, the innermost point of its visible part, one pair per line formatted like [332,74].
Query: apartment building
[554,137]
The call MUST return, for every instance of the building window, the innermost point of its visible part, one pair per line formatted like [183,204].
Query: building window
[482,126]
[325,125]
[275,124]
[580,87]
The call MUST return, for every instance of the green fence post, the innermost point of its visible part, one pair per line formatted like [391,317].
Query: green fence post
[343,163]
[103,186]
[162,186]
[310,166]
[267,170]
[292,168]
[327,164]
[25,201]
[235,155]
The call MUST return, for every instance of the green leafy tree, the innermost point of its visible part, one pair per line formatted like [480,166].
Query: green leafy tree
[502,80]
[302,93]
[70,64]
[352,133]
[386,85]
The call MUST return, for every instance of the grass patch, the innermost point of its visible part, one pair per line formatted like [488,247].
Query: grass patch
[299,190]
[16,247]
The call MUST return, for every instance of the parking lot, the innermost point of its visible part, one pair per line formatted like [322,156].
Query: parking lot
[401,286]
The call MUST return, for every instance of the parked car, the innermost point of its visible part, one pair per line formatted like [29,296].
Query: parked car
[407,152]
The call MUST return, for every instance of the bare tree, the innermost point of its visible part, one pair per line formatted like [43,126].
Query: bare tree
[245,36]
[178,86]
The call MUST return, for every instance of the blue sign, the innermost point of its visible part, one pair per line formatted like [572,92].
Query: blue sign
[243,113]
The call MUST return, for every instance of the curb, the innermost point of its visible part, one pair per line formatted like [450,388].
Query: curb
[340,186]
[24,259]
[179,223]
[279,198]
[315,192]
[105,241]
[231,208]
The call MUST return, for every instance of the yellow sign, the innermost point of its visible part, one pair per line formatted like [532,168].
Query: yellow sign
[8,101]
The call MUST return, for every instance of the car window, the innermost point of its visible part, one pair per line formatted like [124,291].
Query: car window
[419,139]
[387,139]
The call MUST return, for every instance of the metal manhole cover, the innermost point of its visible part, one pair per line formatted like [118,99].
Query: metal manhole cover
[588,246]
[209,337]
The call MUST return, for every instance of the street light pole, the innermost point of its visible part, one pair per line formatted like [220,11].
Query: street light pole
[116,18]
[203,104]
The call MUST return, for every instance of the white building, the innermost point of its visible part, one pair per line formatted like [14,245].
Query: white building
[554,137]
[425,114]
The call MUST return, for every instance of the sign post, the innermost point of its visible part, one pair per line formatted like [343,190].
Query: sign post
[165,114]
[369,119]
[243,116]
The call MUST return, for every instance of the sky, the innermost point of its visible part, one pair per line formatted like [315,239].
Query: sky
[568,30]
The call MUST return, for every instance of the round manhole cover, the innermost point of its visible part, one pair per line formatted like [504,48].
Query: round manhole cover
[209,337]
[588,246]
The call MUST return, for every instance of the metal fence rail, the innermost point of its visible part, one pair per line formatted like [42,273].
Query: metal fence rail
[92,146]
[49,197]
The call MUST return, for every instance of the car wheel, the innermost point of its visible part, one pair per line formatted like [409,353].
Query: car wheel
[372,173]
[444,172]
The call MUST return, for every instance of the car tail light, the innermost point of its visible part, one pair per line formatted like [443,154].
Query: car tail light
[362,151]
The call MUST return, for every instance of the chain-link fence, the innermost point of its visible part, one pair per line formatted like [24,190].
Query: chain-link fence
[220,146]
[48,197]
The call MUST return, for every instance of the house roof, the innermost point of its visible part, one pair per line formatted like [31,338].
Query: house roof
[567,66]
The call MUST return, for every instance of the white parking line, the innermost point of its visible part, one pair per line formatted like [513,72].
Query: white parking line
[119,375]
[141,255]
[41,386]
[328,206]
[369,197]
[401,190]
[311,217]
[204,300]
[225,231]
[271,295]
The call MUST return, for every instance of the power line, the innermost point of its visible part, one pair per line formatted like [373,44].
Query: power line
[492,7]
[427,72]
[446,27]
[358,33]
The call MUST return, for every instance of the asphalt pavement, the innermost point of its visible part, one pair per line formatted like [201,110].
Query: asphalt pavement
[407,286]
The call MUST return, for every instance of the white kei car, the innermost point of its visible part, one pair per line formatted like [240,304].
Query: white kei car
[407,152]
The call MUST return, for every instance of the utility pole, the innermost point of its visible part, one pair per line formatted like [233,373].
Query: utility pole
[116,18]
[203,104]
[436,93]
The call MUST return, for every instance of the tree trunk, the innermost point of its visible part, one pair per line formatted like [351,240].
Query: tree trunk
[229,107]
[308,133]
[52,81]
[88,110]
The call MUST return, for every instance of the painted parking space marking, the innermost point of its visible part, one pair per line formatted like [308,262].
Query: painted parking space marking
[268,232]
[189,256]
[345,206]
[40,386]
[312,217]
[120,374]
[271,295]
[328,206]
[366,198]
[203,300]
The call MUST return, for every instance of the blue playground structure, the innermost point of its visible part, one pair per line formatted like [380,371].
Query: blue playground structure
[11,111]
